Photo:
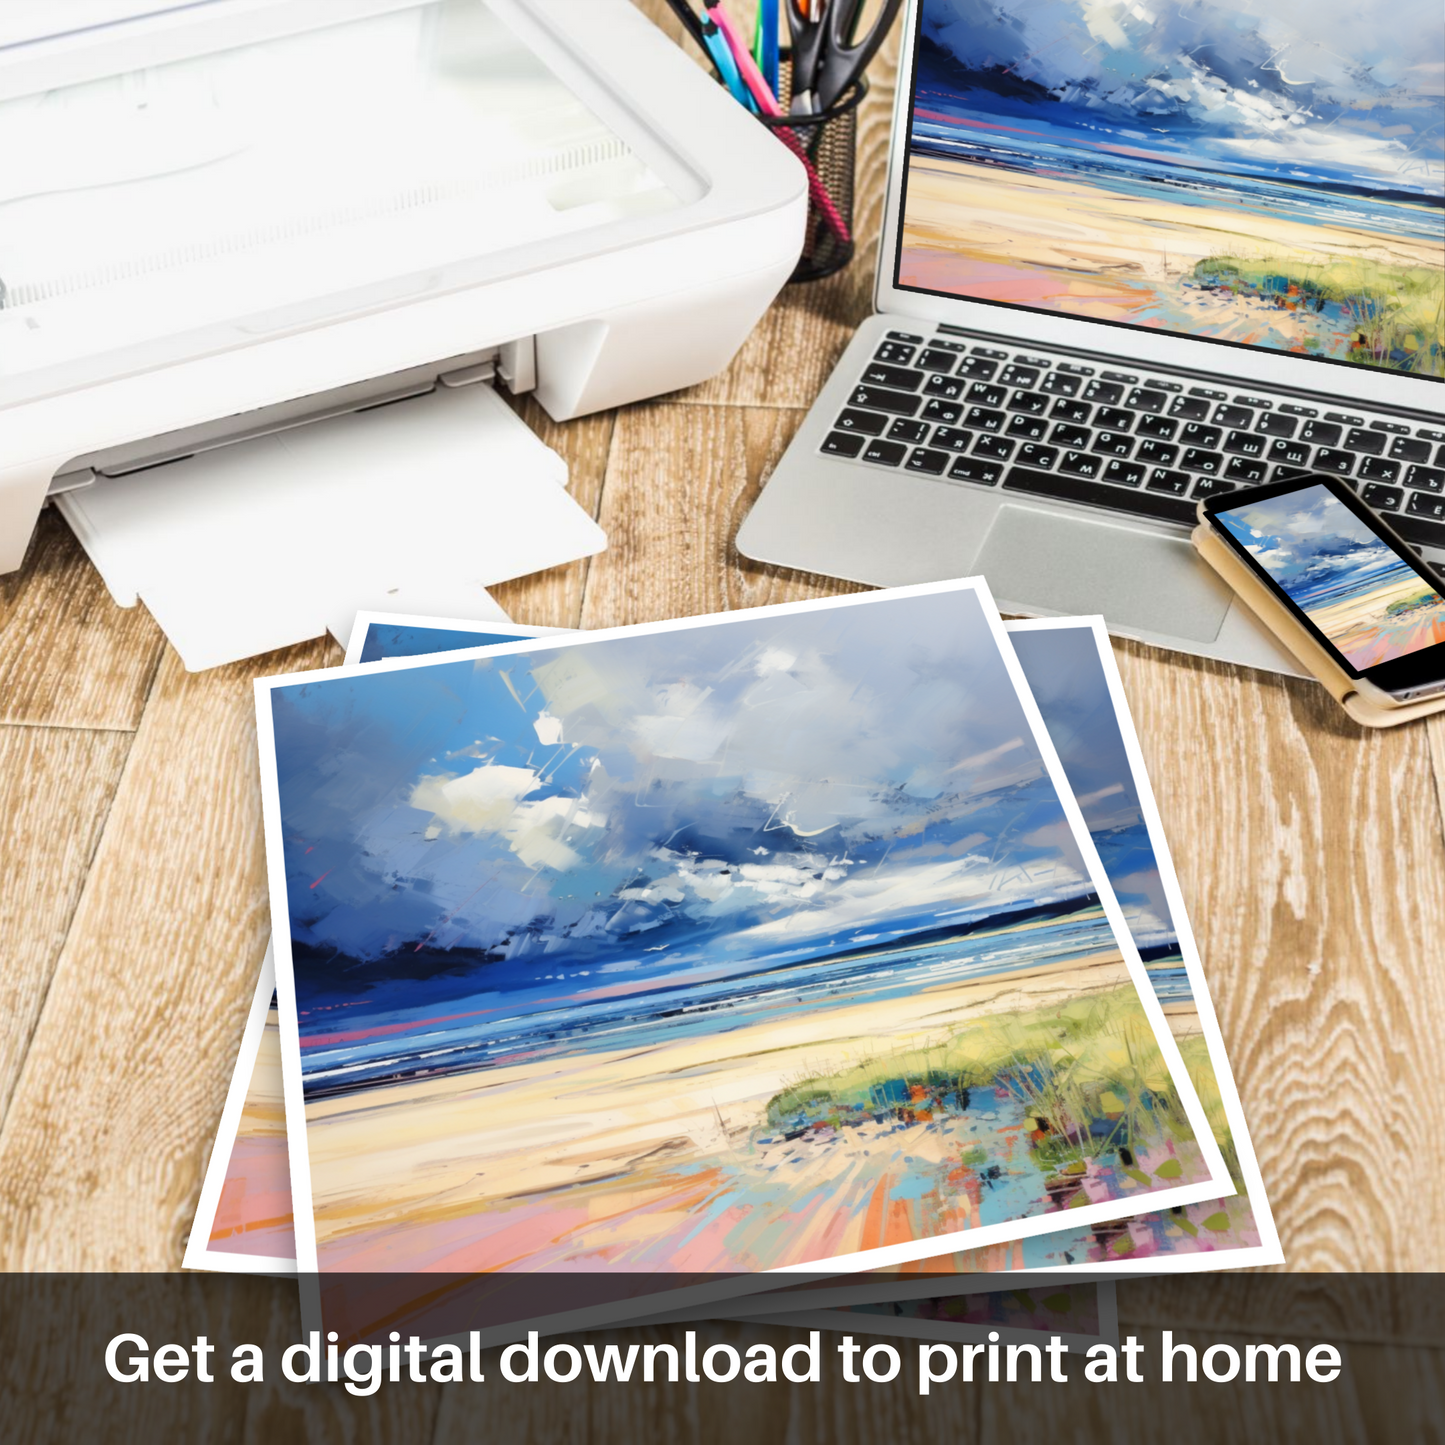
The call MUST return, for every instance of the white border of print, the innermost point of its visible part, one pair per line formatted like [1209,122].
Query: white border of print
[365,621]
[199,1254]
[1216,1186]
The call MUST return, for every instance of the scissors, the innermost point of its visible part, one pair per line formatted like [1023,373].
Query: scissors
[827,55]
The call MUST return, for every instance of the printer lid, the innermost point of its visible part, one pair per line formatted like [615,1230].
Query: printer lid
[183,178]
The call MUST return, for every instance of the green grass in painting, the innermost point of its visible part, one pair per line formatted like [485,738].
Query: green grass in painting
[1089,1071]
[1397,312]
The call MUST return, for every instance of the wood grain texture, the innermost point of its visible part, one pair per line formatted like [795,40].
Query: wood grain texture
[679,483]
[1344,1412]
[110,1122]
[69,657]
[554,598]
[1312,862]
[56,786]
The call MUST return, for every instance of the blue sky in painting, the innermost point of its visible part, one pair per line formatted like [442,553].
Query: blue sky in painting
[645,809]
[1334,91]
[1314,546]
[391,639]
[1068,682]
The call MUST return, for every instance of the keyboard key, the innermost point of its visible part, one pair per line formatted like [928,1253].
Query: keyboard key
[1195,435]
[983,419]
[1035,456]
[1405,449]
[1212,486]
[886,454]
[1440,457]
[1426,504]
[981,394]
[905,336]
[1323,433]
[1429,434]
[1418,530]
[924,459]
[1290,474]
[1292,454]
[877,374]
[1382,499]
[1081,464]
[1331,459]
[1293,410]
[843,444]
[1107,392]
[1030,427]
[867,422]
[1245,469]
[904,430]
[1244,444]
[990,352]
[935,360]
[993,447]
[1077,370]
[877,398]
[1033,402]
[1233,416]
[971,469]
[1199,460]
[936,410]
[895,353]
[1058,383]
[1208,394]
[1037,361]
[954,438]
[1113,418]
[1075,411]
[1124,474]
[948,387]
[1162,385]
[1189,408]
[1425,479]
[1156,454]
[1399,428]
[1143,399]
[1156,426]
[1344,418]
[1369,442]
[1019,375]
[1099,494]
[1163,480]
[1253,401]
[1070,436]
[1372,469]
[1274,425]
[1128,378]
[976,368]
[1112,444]
[954,346]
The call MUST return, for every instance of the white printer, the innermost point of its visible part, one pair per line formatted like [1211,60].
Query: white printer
[226,223]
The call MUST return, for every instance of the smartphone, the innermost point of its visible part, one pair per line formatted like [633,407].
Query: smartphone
[1335,565]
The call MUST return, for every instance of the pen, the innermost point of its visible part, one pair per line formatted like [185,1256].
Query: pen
[765,42]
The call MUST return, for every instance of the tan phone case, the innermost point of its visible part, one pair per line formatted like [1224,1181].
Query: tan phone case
[1296,637]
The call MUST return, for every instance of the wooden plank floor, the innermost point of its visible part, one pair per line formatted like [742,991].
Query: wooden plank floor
[133,906]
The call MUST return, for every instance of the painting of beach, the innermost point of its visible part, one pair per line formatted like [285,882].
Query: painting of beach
[709,948]
[253,1215]
[1268,176]
[1370,603]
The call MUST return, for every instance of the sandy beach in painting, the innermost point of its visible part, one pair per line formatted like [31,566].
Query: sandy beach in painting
[253,1216]
[656,1156]
[1367,632]
[1042,240]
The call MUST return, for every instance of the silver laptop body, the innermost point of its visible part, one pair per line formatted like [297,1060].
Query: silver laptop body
[978,476]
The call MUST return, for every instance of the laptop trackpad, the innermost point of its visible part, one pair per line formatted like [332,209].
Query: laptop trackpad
[1072,565]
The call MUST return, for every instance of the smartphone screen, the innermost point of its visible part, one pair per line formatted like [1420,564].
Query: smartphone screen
[1356,586]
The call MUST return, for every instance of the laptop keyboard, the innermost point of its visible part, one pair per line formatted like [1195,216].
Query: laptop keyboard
[1142,444]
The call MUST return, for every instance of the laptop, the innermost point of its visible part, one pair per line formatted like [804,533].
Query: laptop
[1133,256]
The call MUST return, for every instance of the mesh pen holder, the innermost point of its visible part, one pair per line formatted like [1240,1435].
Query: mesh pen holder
[826,143]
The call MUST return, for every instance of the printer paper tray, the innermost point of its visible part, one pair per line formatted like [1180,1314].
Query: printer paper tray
[417,506]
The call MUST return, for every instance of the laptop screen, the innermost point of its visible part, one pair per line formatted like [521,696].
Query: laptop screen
[1263,173]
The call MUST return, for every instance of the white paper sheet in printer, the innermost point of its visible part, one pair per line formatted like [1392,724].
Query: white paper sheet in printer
[225,220]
